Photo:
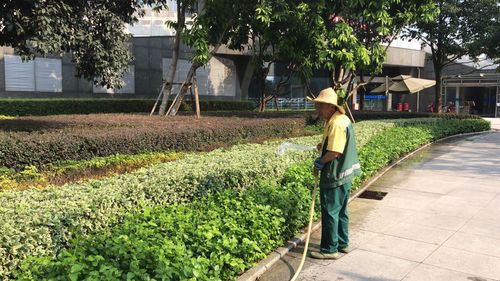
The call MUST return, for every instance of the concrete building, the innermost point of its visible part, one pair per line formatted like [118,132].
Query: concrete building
[54,77]
[470,87]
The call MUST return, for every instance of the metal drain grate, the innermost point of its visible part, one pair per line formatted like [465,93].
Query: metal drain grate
[373,195]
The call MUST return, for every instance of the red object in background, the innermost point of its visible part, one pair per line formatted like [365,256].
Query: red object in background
[399,107]
[406,107]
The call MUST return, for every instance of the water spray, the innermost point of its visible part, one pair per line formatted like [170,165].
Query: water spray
[287,146]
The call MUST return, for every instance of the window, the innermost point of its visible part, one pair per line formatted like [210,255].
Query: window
[41,74]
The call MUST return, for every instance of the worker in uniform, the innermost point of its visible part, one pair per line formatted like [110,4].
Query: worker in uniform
[336,166]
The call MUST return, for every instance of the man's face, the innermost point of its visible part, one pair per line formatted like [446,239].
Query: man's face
[324,110]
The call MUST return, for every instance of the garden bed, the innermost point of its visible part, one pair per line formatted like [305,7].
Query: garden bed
[42,223]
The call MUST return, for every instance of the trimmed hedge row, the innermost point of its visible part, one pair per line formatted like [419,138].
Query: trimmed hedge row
[24,107]
[219,236]
[39,141]
[42,222]
[73,171]
[311,116]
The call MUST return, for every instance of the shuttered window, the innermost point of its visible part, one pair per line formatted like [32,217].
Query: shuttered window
[41,74]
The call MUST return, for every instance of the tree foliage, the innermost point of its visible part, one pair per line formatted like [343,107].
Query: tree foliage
[345,37]
[462,28]
[91,31]
[357,33]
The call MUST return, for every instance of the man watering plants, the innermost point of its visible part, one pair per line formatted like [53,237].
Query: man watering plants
[336,167]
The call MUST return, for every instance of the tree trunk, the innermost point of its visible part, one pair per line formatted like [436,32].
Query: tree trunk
[331,77]
[262,75]
[181,18]
[438,101]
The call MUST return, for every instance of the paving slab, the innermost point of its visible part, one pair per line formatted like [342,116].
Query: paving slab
[361,265]
[427,234]
[474,243]
[439,221]
[466,262]
[489,228]
[433,273]
[399,247]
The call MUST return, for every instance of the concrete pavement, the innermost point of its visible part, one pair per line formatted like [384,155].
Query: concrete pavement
[440,220]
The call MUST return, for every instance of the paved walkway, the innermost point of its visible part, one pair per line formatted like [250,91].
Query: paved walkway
[440,220]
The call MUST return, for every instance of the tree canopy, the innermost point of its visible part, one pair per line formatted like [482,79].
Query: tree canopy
[462,28]
[346,37]
[92,31]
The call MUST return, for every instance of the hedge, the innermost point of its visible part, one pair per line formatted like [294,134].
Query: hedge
[39,141]
[219,236]
[42,222]
[212,239]
[311,116]
[24,107]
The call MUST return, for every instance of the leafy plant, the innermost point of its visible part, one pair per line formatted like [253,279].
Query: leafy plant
[214,238]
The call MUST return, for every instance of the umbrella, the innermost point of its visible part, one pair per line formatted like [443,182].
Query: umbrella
[405,84]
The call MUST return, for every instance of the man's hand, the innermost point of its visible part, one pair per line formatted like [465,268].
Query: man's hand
[318,147]
[318,164]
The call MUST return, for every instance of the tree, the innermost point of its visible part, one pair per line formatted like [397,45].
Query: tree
[286,32]
[463,28]
[183,7]
[345,37]
[91,31]
[355,33]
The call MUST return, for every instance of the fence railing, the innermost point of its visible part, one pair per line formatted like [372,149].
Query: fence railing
[290,103]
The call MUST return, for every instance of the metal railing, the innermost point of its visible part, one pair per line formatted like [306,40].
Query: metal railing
[290,103]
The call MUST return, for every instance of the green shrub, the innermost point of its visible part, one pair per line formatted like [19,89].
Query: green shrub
[312,117]
[212,239]
[39,141]
[24,107]
[42,222]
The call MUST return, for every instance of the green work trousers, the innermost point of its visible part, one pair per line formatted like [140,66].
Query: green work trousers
[334,218]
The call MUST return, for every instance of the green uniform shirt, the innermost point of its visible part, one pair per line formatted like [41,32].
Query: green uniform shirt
[346,166]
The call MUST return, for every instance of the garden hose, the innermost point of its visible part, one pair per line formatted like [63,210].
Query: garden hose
[308,234]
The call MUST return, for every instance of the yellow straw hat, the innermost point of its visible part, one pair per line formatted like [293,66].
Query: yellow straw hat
[329,96]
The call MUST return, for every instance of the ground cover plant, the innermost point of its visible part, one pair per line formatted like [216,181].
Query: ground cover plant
[42,223]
